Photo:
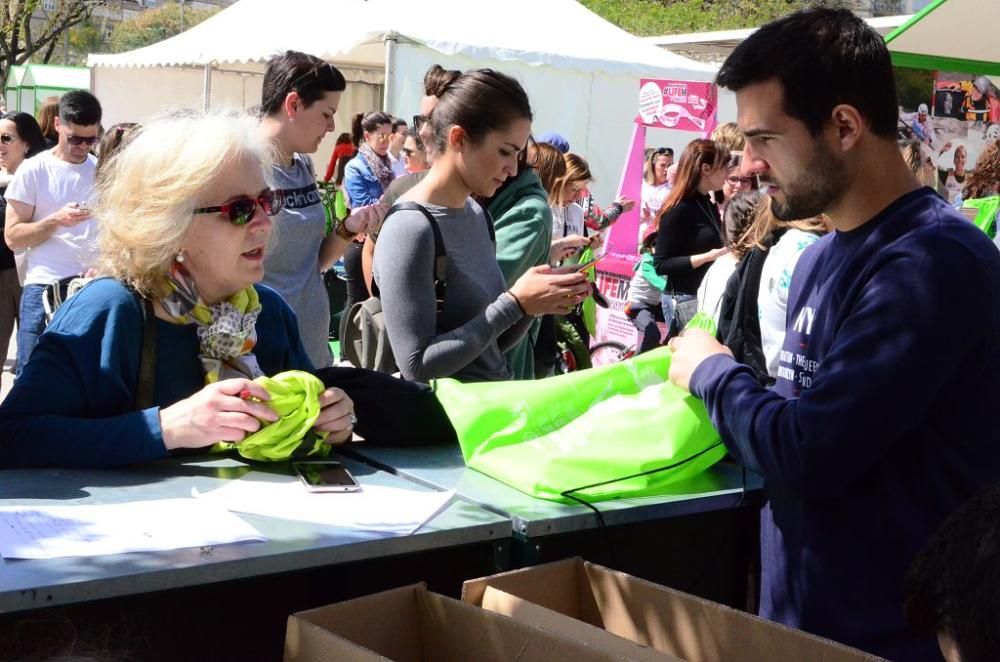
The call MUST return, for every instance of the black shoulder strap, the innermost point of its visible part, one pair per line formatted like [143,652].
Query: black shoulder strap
[490,226]
[744,337]
[440,254]
[147,356]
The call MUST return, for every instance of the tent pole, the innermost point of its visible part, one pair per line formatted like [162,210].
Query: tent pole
[390,66]
[206,94]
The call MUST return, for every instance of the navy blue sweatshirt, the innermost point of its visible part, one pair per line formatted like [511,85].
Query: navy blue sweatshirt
[882,421]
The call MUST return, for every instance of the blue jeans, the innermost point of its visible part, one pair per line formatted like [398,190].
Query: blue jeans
[30,325]
[667,304]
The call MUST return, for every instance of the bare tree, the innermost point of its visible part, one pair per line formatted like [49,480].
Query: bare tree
[20,39]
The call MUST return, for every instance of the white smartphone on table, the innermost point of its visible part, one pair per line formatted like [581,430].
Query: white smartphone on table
[325,476]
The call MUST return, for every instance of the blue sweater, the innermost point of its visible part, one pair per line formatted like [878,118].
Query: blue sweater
[883,419]
[73,403]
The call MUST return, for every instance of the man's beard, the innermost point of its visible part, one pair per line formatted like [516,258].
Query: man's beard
[819,184]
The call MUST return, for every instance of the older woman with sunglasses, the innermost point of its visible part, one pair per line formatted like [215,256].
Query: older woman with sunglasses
[184,213]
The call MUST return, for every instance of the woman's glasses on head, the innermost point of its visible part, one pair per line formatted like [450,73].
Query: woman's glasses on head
[241,210]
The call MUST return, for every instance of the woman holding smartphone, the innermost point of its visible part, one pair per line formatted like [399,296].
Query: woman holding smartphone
[689,229]
[479,125]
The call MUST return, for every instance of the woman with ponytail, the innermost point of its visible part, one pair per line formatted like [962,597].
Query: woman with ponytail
[477,129]
[689,230]
[366,179]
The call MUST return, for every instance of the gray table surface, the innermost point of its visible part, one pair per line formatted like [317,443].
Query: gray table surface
[442,467]
[292,545]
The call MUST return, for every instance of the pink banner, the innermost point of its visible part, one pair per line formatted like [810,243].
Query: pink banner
[677,104]
[671,104]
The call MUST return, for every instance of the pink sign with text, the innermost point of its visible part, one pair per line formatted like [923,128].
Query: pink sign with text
[677,104]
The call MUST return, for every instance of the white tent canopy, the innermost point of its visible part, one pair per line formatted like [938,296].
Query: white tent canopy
[580,71]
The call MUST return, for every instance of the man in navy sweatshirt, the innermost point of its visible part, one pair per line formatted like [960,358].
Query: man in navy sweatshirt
[882,420]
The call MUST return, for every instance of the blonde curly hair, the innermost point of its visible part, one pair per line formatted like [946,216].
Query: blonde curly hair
[985,179]
[148,191]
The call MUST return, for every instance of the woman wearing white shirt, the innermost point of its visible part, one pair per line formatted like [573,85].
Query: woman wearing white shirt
[655,187]
[741,212]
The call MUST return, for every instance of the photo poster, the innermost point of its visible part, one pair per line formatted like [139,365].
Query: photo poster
[963,116]
[676,105]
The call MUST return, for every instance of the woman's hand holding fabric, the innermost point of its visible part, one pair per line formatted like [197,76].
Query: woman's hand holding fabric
[336,416]
[547,291]
[227,410]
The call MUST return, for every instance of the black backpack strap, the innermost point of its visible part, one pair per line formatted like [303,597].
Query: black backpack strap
[146,383]
[743,336]
[490,226]
[440,254]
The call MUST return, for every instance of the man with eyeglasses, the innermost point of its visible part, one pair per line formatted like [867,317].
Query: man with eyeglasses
[48,213]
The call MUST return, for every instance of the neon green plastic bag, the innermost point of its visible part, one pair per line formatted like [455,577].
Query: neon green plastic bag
[554,435]
[295,397]
[987,213]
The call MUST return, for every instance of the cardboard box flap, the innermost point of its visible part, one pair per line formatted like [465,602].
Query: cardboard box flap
[387,623]
[561,586]
[504,603]
[699,630]
[411,624]
[650,615]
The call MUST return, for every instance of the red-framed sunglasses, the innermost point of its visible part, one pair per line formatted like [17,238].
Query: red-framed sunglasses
[241,210]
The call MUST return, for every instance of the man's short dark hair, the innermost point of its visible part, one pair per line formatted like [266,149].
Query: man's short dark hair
[953,585]
[79,107]
[822,58]
[293,71]
[396,123]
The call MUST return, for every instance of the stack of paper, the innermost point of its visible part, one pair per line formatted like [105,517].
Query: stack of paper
[45,532]
[383,509]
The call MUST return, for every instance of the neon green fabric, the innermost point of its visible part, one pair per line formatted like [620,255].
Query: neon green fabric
[340,209]
[589,307]
[703,321]
[295,396]
[553,435]
[987,213]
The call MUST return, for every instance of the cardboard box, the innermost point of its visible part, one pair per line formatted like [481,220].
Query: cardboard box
[411,624]
[613,611]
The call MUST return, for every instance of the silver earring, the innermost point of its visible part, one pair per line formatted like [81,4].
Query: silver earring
[180,257]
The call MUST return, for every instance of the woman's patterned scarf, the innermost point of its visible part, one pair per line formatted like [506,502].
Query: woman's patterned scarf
[226,333]
[379,165]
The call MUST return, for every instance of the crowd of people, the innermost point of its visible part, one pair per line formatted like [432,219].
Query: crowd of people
[802,229]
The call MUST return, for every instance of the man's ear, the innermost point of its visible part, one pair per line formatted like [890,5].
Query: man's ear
[56,122]
[849,125]
[293,104]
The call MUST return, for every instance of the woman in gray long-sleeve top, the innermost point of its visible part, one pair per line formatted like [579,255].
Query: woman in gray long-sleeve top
[481,122]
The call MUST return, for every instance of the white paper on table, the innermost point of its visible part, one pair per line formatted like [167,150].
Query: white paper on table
[46,532]
[374,508]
